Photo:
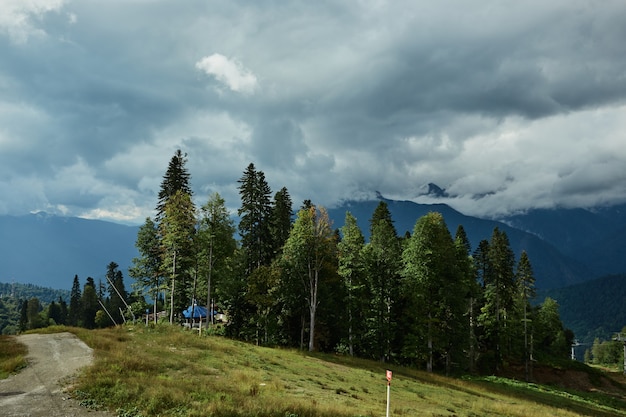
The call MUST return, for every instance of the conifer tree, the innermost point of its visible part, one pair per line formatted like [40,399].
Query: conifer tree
[117,292]
[177,230]
[468,271]
[255,218]
[281,219]
[75,314]
[176,178]
[435,289]
[526,282]
[89,304]
[352,270]
[499,293]
[382,256]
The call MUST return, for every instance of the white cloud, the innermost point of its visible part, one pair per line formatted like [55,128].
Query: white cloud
[19,17]
[230,72]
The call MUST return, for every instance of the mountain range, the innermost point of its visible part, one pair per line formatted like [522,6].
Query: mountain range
[565,246]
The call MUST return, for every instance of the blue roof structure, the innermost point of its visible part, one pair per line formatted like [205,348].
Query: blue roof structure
[198,312]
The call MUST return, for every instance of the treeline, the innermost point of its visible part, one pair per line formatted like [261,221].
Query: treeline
[94,305]
[425,299]
[14,299]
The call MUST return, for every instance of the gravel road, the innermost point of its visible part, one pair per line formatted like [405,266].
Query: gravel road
[37,391]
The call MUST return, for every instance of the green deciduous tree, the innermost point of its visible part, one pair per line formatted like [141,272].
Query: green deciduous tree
[216,243]
[310,243]
[146,269]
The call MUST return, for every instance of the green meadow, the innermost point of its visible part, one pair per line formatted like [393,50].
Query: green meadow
[169,371]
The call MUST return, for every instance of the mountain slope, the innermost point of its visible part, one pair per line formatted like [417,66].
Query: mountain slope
[592,309]
[596,237]
[49,250]
[552,269]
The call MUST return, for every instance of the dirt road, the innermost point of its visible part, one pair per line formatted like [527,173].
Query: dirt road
[37,391]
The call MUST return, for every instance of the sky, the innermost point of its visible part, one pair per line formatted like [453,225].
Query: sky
[508,105]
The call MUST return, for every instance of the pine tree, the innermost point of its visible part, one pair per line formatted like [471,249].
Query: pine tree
[500,289]
[280,219]
[75,314]
[89,304]
[176,178]
[352,270]
[117,292]
[468,271]
[526,281]
[255,219]
[435,289]
[177,230]
[382,256]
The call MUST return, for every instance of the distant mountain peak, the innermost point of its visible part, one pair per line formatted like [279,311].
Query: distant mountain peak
[434,190]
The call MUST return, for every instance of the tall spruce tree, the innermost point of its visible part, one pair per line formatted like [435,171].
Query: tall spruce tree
[468,271]
[255,219]
[178,228]
[74,314]
[280,225]
[176,178]
[382,256]
[435,289]
[117,292]
[526,282]
[352,271]
[89,304]
[500,288]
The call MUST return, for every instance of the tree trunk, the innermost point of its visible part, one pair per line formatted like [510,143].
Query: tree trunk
[314,277]
[172,295]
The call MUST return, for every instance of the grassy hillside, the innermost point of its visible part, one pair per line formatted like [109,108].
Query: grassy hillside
[169,371]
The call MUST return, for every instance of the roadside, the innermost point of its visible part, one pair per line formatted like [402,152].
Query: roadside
[38,390]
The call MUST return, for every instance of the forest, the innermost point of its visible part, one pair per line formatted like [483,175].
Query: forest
[287,277]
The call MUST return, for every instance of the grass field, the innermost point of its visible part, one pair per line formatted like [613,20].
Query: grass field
[12,356]
[168,371]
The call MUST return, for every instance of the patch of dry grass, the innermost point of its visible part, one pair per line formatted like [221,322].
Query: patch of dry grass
[12,356]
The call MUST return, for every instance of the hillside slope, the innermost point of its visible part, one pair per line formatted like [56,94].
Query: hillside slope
[168,371]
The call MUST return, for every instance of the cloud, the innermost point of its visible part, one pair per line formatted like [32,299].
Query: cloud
[229,72]
[20,19]
[507,105]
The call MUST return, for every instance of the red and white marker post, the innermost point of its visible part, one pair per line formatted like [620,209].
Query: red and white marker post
[389,375]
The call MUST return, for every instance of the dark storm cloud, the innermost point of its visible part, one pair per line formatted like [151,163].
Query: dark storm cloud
[516,102]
